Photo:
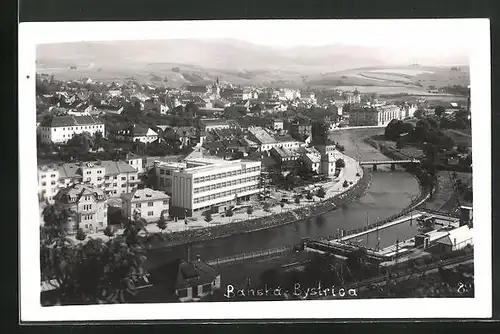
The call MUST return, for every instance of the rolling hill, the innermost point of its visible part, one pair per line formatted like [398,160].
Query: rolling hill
[180,62]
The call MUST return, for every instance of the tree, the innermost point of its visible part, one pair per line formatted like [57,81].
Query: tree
[321,193]
[309,196]
[55,219]
[192,109]
[419,113]
[208,217]
[229,214]
[80,235]
[109,232]
[249,211]
[282,205]
[297,200]
[439,111]
[339,147]
[98,140]
[162,222]
[393,129]
[340,163]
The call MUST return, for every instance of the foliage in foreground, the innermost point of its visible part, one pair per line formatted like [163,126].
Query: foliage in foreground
[92,271]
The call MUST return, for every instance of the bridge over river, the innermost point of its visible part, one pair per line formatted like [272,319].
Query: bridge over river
[393,163]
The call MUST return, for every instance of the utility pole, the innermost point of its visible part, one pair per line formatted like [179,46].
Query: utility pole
[397,250]
[367,229]
[378,240]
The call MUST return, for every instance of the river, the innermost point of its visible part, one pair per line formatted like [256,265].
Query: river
[389,193]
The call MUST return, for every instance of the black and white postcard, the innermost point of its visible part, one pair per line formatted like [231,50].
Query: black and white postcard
[255,169]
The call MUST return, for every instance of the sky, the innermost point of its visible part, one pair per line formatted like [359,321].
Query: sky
[447,34]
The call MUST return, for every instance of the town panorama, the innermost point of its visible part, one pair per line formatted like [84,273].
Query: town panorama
[175,183]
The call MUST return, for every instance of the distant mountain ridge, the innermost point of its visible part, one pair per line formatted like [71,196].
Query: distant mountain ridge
[235,60]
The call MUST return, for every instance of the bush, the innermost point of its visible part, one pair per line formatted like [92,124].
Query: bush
[340,163]
[208,217]
[109,231]
[80,235]
[345,184]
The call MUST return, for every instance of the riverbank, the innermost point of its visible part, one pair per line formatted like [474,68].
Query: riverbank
[354,191]
[424,185]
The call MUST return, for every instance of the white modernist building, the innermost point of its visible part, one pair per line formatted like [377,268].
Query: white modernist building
[212,184]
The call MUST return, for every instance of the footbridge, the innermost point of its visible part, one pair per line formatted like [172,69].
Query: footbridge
[393,163]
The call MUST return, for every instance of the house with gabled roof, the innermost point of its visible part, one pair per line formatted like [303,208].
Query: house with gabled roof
[196,280]
[87,204]
[137,133]
[145,203]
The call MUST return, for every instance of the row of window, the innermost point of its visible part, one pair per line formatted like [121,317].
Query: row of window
[225,184]
[225,174]
[165,182]
[89,172]
[165,172]
[81,127]
[45,183]
[138,205]
[44,175]
[150,213]
[224,193]
[87,207]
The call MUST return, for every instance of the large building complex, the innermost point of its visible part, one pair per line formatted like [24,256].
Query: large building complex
[266,141]
[87,205]
[212,184]
[60,129]
[112,177]
[375,115]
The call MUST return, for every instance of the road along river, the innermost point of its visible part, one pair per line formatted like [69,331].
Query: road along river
[388,194]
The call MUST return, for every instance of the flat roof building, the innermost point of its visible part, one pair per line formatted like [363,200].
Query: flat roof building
[210,184]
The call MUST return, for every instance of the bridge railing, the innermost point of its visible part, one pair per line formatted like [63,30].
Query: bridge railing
[251,255]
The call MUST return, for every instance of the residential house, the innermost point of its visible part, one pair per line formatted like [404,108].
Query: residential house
[300,129]
[113,177]
[263,138]
[196,280]
[312,161]
[87,205]
[208,125]
[145,203]
[286,158]
[136,161]
[138,133]
[277,125]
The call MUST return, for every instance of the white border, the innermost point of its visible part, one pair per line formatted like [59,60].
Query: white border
[31,34]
